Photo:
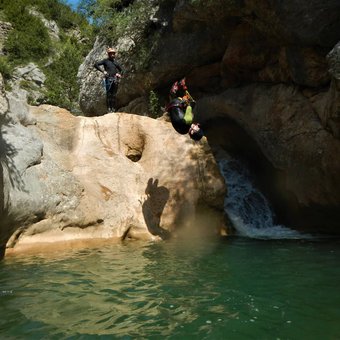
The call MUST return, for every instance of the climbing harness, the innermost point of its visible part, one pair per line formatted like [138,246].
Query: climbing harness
[181,103]
[109,81]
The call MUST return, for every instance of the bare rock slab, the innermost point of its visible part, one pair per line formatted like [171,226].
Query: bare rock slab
[113,176]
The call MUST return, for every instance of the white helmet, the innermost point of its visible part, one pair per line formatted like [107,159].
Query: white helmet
[111,50]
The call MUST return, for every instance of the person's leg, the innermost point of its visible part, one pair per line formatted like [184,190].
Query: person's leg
[108,88]
[112,100]
[176,115]
[177,120]
[189,116]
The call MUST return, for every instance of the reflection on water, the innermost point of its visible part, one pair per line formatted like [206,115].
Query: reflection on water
[177,289]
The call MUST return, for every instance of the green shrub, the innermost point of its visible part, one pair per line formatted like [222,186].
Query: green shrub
[61,82]
[57,11]
[131,21]
[24,84]
[5,68]
[154,105]
[29,39]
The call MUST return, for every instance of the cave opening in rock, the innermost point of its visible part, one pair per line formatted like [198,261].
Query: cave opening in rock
[225,136]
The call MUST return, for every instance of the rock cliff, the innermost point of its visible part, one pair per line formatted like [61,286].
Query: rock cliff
[115,177]
[267,70]
[5,27]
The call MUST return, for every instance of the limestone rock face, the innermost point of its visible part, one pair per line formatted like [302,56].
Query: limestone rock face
[331,116]
[306,22]
[92,92]
[5,28]
[289,133]
[252,41]
[33,79]
[114,176]
[3,99]
[270,67]
[51,25]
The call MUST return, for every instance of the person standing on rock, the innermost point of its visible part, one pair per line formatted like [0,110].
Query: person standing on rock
[112,73]
[180,111]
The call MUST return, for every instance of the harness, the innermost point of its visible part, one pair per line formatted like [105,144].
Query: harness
[113,79]
[109,81]
[182,104]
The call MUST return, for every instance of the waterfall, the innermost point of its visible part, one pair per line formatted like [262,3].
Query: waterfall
[247,208]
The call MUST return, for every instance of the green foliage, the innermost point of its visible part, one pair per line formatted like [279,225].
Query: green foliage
[154,105]
[30,100]
[59,12]
[32,43]
[117,19]
[24,84]
[55,10]
[5,68]
[29,40]
[87,8]
[63,89]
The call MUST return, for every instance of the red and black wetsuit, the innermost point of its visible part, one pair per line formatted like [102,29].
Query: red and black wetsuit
[176,109]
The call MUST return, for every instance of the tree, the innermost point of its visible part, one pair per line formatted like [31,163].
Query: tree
[62,77]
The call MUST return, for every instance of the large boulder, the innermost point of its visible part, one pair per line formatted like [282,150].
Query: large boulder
[26,85]
[116,176]
[92,92]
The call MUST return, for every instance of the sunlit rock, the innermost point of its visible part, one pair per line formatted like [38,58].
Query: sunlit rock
[116,176]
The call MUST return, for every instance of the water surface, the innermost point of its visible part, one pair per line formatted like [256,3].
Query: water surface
[236,288]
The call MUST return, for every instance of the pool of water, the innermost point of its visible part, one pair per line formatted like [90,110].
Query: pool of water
[235,288]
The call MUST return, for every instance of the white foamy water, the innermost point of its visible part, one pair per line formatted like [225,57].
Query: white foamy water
[247,207]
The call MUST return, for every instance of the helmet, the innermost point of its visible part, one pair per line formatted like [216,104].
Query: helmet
[178,88]
[197,135]
[182,84]
[111,50]
[196,132]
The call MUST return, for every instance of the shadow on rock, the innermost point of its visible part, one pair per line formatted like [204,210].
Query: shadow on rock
[153,207]
[8,169]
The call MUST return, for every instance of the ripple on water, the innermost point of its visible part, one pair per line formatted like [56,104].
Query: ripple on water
[244,288]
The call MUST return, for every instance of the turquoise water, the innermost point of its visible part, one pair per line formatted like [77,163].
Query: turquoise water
[235,288]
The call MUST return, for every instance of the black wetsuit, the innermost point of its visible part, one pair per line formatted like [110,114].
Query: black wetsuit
[111,81]
[176,109]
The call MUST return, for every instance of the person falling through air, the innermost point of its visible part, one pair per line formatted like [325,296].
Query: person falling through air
[180,111]
[112,73]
